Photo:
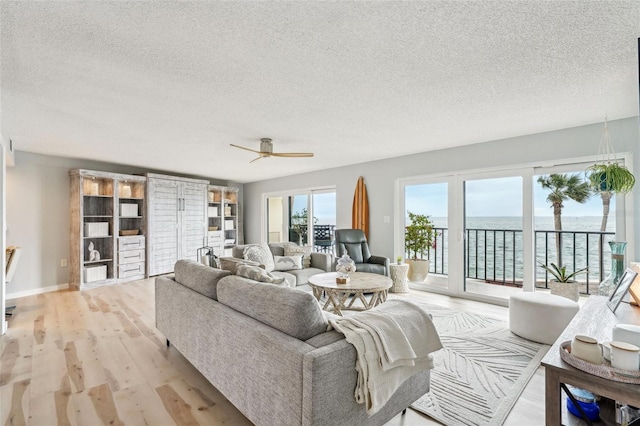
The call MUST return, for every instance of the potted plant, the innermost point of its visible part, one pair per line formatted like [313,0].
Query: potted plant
[419,237]
[563,283]
[611,177]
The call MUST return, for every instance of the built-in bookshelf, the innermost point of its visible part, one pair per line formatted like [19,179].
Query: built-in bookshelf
[98,200]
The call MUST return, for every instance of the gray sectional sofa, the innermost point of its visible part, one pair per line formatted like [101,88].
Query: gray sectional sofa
[320,263]
[266,349]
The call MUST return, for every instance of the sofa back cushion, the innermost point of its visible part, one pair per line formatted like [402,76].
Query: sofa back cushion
[291,311]
[198,277]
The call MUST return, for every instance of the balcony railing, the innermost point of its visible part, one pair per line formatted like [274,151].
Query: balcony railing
[496,255]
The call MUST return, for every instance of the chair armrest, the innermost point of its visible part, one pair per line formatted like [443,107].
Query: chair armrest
[322,261]
[380,260]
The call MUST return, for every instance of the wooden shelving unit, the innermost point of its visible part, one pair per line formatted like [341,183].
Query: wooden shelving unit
[96,222]
[222,212]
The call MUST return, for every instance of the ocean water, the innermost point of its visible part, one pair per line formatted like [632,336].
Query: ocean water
[494,247]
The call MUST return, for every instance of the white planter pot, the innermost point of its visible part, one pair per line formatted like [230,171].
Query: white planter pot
[418,270]
[569,290]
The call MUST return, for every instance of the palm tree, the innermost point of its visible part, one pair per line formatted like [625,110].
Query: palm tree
[563,187]
[606,202]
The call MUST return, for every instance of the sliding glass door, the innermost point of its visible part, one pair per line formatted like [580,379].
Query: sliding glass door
[493,235]
[431,199]
[303,217]
[495,229]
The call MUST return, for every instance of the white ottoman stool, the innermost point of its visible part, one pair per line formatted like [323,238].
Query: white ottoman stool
[540,317]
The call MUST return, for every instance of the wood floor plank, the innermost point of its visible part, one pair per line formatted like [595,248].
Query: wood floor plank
[179,410]
[39,330]
[141,405]
[102,400]
[17,415]
[48,370]
[74,367]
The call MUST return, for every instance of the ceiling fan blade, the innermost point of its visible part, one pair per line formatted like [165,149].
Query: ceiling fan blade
[292,154]
[247,149]
[256,159]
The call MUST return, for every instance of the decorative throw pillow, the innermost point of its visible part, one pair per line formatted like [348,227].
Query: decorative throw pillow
[256,273]
[304,251]
[260,253]
[231,263]
[287,263]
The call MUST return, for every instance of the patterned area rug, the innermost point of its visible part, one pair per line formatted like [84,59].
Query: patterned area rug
[481,371]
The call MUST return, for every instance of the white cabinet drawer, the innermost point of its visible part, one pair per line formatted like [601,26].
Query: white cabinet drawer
[131,243]
[130,270]
[130,256]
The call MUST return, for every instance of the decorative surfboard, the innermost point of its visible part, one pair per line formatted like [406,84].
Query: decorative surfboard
[360,210]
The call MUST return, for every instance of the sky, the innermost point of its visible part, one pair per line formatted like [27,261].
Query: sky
[500,197]
[324,207]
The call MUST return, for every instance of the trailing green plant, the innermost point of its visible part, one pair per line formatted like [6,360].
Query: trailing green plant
[419,236]
[560,274]
[610,177]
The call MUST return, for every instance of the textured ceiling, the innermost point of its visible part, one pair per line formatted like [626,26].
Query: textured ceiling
[169,85]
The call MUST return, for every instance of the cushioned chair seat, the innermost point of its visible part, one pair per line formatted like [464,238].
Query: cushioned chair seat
[540,317]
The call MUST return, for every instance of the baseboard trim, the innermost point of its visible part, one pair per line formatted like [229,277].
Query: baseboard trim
[37,291]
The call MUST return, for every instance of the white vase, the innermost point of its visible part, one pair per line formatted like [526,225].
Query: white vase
[418,269]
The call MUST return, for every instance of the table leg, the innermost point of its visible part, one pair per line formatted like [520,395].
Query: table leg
[553,400]
[334,298]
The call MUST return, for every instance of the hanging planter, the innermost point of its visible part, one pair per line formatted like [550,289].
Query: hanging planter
[611,177]
[606,175]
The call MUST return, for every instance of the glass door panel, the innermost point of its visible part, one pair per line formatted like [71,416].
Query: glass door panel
[573,226]
[432,200]
[493,236]
[324,220]
[298,219]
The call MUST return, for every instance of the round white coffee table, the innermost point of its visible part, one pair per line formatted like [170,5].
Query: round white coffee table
[343,296]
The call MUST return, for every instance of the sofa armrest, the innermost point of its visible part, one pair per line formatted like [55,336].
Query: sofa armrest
[322,261]
[329,380]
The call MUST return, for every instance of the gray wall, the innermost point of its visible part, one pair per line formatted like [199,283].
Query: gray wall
[37,193]
[381,176]
[37,214]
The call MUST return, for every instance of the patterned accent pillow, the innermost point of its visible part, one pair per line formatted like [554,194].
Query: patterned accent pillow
[304,251]
[287,263]
[256,273]
[231,263]
[260,253]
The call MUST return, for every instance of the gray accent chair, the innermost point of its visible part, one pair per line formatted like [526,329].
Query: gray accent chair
[354,243]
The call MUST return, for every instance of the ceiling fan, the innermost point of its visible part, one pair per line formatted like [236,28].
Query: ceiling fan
[266,150]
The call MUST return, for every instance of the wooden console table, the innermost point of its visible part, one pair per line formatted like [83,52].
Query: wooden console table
[596,320]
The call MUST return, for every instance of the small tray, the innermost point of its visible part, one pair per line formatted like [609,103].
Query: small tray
[604,370]
[128,232]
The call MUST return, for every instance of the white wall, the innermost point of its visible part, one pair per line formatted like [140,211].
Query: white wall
[381,176]
[37,214]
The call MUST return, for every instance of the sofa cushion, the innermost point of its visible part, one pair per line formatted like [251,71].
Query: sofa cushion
[302,275]
[287,263]
[256,273]
[278,248]
[231,264]
[305,251]
[291,311]
[291,279]
[260,253]
[198,277]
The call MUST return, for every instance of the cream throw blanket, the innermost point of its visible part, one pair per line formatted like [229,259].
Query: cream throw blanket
[393,342]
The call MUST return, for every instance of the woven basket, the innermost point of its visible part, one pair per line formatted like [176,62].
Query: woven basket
[605,370]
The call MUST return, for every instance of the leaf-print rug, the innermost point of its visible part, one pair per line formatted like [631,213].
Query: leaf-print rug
[481,371]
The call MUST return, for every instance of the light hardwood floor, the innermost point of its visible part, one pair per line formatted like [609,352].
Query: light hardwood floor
[94,357]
